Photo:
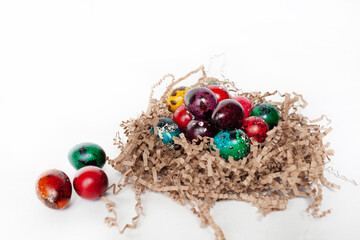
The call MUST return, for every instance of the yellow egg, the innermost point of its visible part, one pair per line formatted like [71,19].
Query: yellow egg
[176,98]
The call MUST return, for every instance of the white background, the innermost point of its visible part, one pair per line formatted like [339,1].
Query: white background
[71,71]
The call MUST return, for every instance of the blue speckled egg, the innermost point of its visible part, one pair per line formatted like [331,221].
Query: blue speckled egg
[233,142]
[167,129]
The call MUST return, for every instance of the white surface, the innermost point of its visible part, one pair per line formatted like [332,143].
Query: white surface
[71,70]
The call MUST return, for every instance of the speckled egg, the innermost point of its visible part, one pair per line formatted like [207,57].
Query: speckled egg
[245,103]
[176,98]
[54,189]
[167,129]
[228,114]
[200,128]
[255,127]
[267,112]
[200,101]
[87,154]
[182,117]
[232,143]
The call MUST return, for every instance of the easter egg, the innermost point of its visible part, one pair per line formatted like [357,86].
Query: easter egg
[176,98]
[255,127]
[220,92]
[232,143]
[90,182]
[167,129]
[213,83]
[200,127]
[182,117]
[200,101]
[267,112]
[216,83]
[228,114]
[245,103]
[53,188]
[87,154]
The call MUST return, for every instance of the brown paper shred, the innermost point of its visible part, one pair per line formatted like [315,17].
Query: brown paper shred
[110,205]
[290,163]
[338,175]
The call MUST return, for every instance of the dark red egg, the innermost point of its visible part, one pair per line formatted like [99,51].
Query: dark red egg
[182,117]
[220,92]
[200,127]
[228,114]
[245,103]
[255,127]
[200,101]
[90,182]
[53,188]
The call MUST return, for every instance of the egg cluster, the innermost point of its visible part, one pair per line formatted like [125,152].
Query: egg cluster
[210,111]
[54,189]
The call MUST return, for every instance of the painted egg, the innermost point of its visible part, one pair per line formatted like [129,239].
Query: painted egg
[200,101]
[245,103]
[232,143]
[228,114]
[87,154]
[200,127]
[90,182]
[220,92]
[176,98]
[167,129]
[255,127]
[53,188]
[213,83]
[267,112]
[216,83]
[182,117]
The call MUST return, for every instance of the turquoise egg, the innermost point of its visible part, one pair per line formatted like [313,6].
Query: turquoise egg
[233,142]
[167,129]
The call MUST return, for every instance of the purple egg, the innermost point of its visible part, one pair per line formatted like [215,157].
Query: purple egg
[228,114]
[200,127]
[200,101]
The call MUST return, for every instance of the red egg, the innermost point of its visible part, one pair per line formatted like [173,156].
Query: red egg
[245,103]
[182,117]
[53,188]
[255,127]
[220,92]
[90,182]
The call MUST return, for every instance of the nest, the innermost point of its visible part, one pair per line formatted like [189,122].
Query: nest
[290,163]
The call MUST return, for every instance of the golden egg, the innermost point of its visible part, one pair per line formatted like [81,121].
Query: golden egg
[176,98]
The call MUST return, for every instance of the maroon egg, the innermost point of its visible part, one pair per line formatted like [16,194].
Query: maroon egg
[200,101]
[245,103]
[228,114]
[255,127]
[182,117]
[200,127]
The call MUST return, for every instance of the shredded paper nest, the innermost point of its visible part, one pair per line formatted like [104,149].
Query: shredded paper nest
[290,163]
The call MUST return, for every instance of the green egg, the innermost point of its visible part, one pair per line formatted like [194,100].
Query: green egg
[87,154]
[267,112]
[232,143]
